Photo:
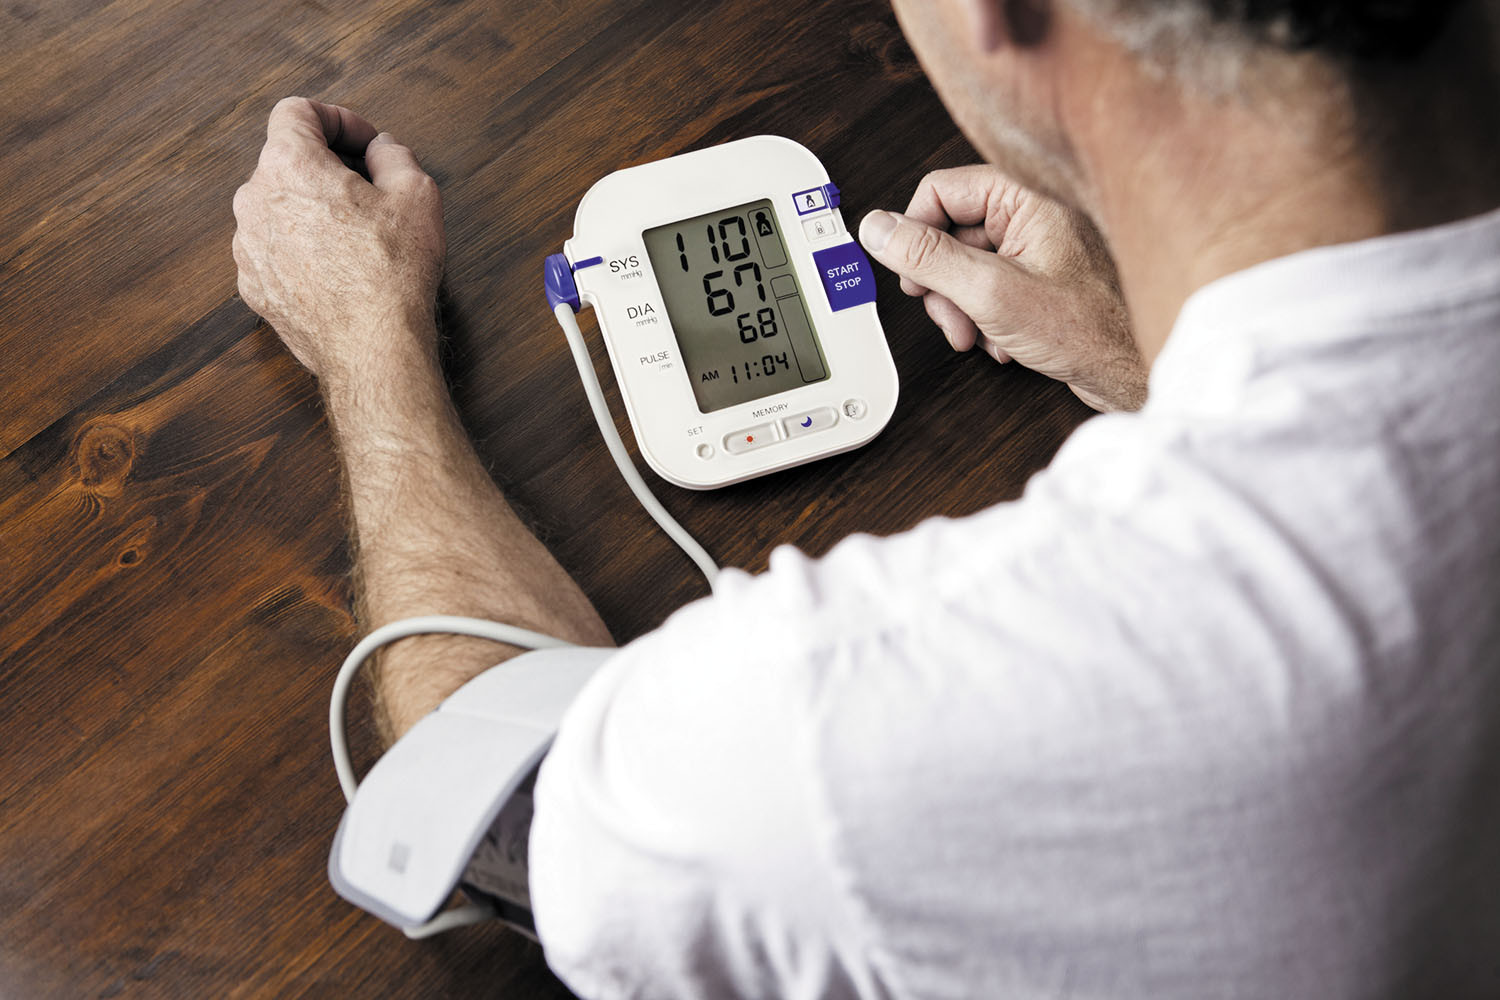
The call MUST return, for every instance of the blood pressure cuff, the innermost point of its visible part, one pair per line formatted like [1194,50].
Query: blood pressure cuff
[421,812]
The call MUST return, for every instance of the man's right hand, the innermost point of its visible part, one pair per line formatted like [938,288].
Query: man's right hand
[345,269]
[1018,274]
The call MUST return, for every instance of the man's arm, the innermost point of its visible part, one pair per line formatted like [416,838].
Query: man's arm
[346,270]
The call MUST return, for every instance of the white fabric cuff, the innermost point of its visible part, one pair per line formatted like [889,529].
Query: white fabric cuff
[421,812]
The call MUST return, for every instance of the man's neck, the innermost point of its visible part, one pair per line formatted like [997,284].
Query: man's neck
[1190,188]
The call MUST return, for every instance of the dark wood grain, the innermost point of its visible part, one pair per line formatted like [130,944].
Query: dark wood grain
[173,578]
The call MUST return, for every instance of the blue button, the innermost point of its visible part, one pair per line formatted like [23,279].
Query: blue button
[847,276]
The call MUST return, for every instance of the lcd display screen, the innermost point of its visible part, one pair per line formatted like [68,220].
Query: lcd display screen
[735,305]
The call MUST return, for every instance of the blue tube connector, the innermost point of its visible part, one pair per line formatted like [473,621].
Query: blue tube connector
[557,275]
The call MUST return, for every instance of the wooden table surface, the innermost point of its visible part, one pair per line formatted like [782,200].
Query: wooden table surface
[174,584]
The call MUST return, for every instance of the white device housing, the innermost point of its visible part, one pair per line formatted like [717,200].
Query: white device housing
[680,442]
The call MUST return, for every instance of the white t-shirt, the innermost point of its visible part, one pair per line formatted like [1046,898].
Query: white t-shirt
[1213,711]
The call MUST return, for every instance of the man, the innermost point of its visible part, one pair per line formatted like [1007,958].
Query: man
[1214,711]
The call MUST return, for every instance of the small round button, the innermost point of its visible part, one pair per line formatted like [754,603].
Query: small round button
[705,450]
[854,408]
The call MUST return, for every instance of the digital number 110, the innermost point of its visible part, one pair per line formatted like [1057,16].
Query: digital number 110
[720,301]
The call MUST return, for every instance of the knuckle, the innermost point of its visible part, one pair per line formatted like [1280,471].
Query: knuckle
[347,184]
[247,291]
[944,182]
[425,189]
[275,156]
[282,159]
[924,252]
[936,178]
[926,190]
[1015,199]
[939,178]
[291,102]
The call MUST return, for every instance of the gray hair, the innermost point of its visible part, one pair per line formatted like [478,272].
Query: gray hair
[1212,41]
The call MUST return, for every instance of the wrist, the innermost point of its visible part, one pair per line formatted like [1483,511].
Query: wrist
[1121,387]
[392,358]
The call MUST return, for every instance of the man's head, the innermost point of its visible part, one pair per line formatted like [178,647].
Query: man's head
[1020,75]
[1203,137]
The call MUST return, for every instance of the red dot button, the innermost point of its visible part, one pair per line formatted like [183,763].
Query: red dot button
[750,439]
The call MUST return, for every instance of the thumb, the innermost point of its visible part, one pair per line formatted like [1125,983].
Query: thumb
[391,165]
[929,257]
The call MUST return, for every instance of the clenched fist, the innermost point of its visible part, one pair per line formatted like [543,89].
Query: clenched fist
[345,269]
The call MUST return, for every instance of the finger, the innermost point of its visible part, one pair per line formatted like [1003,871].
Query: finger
[957,327]
[935,260]
[978,195]
[973,236]
[245,283]
[391,165]
[994,350]
[300,121]
[959,195]
[930,204]
[240,204]
[245,290]
[355,163]
[242,262]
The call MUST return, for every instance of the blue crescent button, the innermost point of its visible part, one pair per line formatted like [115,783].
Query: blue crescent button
[807,422]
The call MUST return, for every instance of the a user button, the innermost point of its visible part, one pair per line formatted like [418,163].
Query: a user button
[811,200]
[847,276]
[810,422]
[750,439]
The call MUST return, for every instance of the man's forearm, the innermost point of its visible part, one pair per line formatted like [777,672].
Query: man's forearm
[346,267]
[434,535]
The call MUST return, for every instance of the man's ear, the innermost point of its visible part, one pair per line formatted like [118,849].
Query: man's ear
[1023,23]
[987,21]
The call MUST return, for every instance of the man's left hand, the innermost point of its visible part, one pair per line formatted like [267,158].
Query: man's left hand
[345,269]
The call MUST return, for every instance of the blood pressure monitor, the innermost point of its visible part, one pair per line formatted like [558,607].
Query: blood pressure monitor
[737,311]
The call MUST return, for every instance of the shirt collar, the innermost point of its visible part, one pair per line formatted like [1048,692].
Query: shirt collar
[1232,328]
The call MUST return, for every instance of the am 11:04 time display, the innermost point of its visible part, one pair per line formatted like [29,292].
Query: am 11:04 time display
[767,367]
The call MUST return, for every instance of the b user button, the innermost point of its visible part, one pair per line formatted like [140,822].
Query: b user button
[847,277]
